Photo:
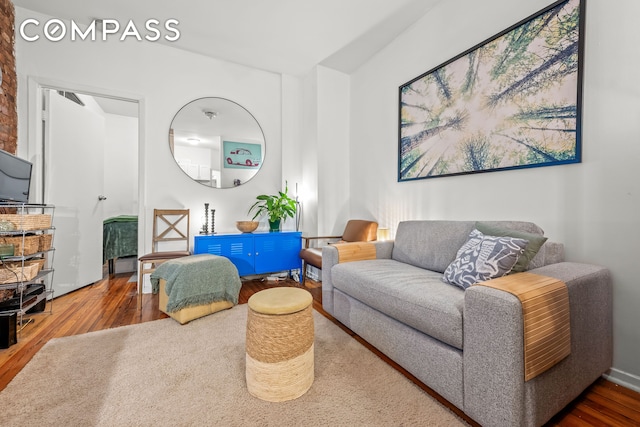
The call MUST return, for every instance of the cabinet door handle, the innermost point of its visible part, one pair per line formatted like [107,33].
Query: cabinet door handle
[257,253]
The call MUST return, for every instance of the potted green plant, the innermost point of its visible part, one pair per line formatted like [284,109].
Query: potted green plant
[275,207]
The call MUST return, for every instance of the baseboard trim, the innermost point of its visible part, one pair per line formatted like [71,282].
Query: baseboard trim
[622,378]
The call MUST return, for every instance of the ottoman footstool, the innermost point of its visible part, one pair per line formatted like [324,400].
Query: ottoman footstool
[279,344]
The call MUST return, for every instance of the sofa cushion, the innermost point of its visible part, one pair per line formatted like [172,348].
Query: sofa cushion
[483,258]
[533,247]
[549,253]
[411,295]
[434,244]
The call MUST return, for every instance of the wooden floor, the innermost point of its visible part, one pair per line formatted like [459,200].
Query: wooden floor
[111,302]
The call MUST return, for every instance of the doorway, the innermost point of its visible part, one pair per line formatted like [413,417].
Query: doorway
[89,171]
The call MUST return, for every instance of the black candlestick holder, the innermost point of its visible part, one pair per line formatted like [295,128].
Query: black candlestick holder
[205,226]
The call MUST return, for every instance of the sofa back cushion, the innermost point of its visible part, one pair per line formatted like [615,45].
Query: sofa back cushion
[433,244]
[534,243]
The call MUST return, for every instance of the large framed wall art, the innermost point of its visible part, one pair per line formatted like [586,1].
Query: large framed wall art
[511,102]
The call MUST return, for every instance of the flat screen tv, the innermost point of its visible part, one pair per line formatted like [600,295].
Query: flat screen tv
[15,178]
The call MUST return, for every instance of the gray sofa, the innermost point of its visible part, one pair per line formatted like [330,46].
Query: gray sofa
[467,345]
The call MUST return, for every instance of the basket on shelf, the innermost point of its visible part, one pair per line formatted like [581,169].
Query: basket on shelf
[44,242]
[28,221]
[6,294]
[11,272]
[39,262]
[31,244]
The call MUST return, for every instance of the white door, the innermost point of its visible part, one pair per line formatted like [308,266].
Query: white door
[74,138]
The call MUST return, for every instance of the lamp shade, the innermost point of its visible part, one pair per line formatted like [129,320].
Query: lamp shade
[383,234]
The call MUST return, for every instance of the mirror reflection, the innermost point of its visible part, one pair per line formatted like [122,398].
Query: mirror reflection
[217,142]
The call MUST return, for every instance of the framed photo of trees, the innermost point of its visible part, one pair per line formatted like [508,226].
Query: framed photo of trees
[511,102]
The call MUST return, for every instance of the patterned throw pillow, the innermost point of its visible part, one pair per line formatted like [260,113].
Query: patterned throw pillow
[483,258]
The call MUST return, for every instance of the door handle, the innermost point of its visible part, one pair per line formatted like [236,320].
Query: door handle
[101,197]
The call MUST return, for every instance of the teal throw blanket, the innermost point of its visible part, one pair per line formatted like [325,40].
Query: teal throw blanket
[119,237]
[121,218]
[196,280]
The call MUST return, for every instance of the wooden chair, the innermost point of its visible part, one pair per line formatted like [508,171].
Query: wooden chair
[356,230]
[170,229]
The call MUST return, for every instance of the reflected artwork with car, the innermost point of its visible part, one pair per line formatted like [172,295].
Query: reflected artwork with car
[242,155]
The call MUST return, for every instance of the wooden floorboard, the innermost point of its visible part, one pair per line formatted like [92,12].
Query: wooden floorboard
[112,302]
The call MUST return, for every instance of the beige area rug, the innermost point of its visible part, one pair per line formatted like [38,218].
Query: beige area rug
[161,373]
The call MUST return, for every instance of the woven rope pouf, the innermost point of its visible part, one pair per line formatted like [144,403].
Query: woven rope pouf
[279,344]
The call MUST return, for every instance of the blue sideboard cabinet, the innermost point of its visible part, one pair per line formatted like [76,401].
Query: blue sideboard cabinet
[254,253]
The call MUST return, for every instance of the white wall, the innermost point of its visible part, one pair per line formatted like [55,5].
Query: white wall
[163,79]
[333,151]
[592,207]
[323,150]
[292,143]
[121,166]
[309,155]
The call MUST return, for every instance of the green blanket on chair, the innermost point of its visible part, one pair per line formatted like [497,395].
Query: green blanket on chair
[196,280]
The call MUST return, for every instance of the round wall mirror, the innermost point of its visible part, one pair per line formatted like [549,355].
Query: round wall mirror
[217,142]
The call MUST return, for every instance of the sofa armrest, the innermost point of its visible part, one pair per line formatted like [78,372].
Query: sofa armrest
[495,392]
[330,258]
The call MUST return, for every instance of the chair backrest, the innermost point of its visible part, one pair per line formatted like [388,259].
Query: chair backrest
[359,230]
[170,225]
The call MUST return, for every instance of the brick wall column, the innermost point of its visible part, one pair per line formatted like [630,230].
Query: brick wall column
[9,86]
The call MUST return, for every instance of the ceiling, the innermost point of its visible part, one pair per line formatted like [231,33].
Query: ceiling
[283,36]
